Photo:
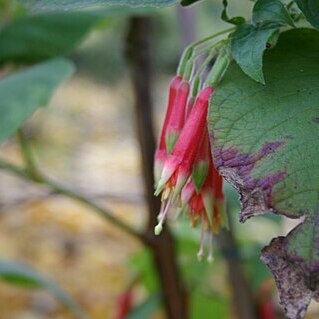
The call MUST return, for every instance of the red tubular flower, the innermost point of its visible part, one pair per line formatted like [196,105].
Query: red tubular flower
[184,152]
[177,116]
[188,171]
[187,192]
[161,152]
[124,305]
[189,107]
[202,162]
[200,204]
[178,165]
[205,205]
[184,167]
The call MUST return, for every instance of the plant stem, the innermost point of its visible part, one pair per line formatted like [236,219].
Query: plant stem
[219,68]
[59,189]
[138,45]
[27,155]
[189,51]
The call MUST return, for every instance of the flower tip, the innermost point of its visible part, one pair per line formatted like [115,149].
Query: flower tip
[166,175]
[158,229]
[158,190]
[180,183]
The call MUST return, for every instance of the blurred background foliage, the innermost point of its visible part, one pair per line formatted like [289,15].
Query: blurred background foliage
[86,139]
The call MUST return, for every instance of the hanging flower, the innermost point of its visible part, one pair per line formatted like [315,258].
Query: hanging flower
[182,157]
[173,122]
[184,167]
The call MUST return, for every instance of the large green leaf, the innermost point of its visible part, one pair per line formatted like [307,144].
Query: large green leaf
[24,276]
[248,46]
[271,11]
[24,91]
[265,143]
[39,37]
[310,8]
[76,4]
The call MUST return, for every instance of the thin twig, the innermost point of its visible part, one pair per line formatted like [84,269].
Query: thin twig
[27,155]
[59,189]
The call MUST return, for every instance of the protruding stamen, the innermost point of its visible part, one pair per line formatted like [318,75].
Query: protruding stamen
[158,229]
[210,257]
[162,216]
[163,206]
[165,194]
[201,252]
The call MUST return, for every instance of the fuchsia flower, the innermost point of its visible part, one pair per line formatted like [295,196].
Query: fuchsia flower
[161,152]
[188,176]
[177,117]
[185,174]
[184,152]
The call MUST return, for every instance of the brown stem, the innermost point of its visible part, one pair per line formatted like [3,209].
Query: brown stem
[138,45]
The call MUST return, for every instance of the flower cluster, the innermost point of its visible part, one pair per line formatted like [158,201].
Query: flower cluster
[184,168]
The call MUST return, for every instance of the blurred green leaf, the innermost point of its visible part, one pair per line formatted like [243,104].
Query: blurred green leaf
[258,271]
[209,306]
[248,46]
[24,91]
[271,11]
[146,309]
[24,276]
[39,37]
[142,262]
[310,9]
[187,244]
[77,4]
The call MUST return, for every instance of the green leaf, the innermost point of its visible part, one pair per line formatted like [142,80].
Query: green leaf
[142,262]
[79,4]
[310,9]
[248,44]
[24,91]
[271,11]
[234,20]
[24,276]
[257,270]
[39,37]
[146,309]
[209,306]
[188,2]
[265,143]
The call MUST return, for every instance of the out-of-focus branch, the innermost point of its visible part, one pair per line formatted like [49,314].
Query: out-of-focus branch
[138,51]
[31,166]
[31,173]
